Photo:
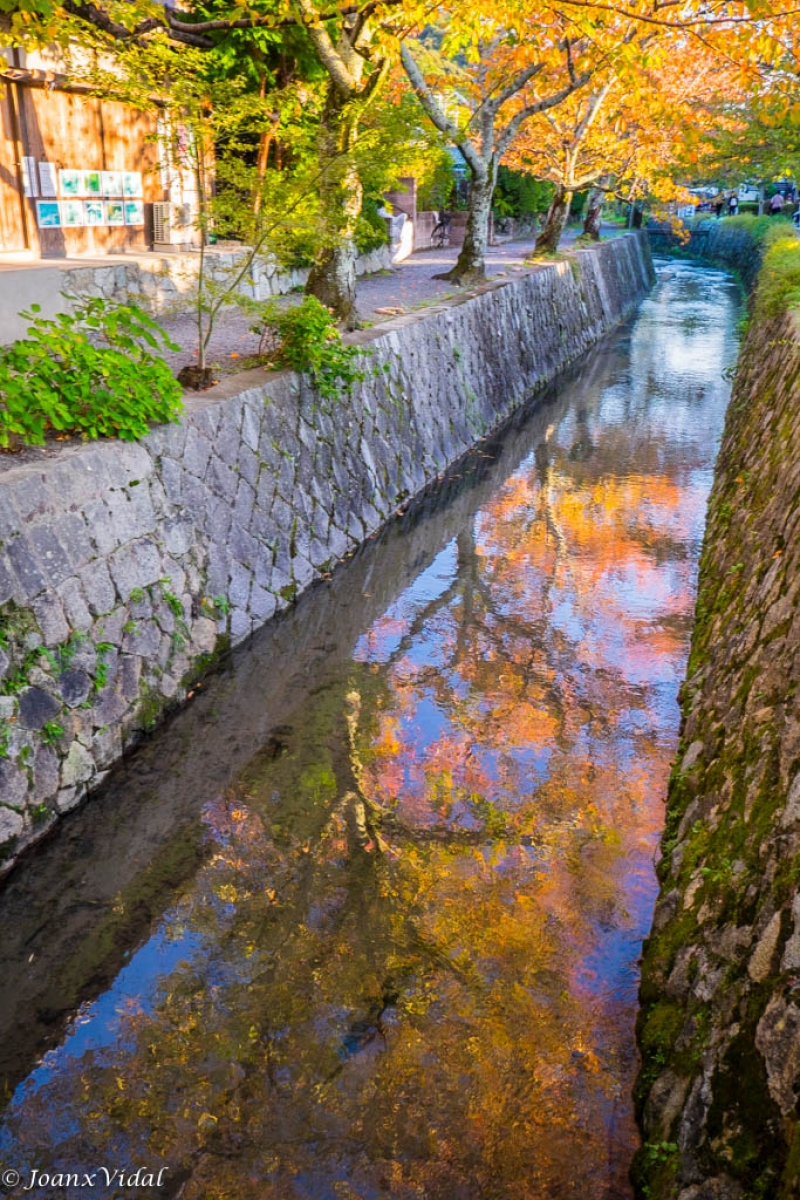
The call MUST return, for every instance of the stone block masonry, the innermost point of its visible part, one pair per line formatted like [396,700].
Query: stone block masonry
[124,569]
[160,283]
[719,1028]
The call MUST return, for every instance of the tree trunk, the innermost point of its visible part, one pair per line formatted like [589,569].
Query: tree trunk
[594,210]
[471,262]
[264,144]
[555,222]
[332,278]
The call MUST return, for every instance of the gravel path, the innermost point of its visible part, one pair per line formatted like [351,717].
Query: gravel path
[407,286]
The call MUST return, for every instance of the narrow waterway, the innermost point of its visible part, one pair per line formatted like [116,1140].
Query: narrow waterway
[363,921]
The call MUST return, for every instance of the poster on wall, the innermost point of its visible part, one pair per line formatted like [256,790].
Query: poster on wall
[47,179]
[48,214]
[112,183]
[134,212]
[72,213]
[132,183]
[70,183]
[115,212]
[92,183]
[29,187]
[95,212]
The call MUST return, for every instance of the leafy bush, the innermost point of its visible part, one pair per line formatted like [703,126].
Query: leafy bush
[295,248]
[371,230]
[757,227]
[90,372]
[518,194]
[305,338]
[779,280]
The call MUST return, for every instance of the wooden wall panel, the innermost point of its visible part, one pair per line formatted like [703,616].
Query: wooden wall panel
[71,130]
[12,232]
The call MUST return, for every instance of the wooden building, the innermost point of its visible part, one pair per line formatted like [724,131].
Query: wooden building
[78,175]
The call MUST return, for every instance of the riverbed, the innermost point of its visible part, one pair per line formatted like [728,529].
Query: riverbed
[363,920]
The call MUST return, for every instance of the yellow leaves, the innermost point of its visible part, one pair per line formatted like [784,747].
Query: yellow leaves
[388,742]
[227,892]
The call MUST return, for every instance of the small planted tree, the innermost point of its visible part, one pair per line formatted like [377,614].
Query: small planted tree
[220,121]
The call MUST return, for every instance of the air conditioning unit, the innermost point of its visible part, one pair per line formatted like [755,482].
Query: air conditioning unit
[172,224]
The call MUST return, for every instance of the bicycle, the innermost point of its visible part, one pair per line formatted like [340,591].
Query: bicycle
[440,234]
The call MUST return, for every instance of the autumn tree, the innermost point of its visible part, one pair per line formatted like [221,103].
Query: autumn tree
[594,138]
[751,127]
[511,75]
[562,158]
[628,133]
[723,83]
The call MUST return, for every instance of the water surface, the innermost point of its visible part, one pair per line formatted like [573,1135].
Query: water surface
[363,921]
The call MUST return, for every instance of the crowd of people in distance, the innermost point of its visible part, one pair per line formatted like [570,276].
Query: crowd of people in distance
[727,204]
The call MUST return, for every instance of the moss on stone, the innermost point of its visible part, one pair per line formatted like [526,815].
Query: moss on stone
[740,863]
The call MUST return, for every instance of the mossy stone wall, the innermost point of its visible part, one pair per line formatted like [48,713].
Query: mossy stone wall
[719,1027]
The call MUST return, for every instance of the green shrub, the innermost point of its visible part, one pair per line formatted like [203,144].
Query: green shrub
[371,229]
[91,373]
[296,247]
[779,280]
[759,228]
[518,194]
[305,339]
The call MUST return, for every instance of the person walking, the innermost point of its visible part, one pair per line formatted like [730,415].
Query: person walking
[776,204]
[733,204]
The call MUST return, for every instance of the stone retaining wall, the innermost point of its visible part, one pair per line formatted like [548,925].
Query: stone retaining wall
[161,283]
[717,242]
[125,568]
[719,1028]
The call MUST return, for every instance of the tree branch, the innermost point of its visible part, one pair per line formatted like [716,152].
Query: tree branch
[437,115]
[593,108]
[512,128]
[329,56]
[95,16]
[516,85]
[682,23]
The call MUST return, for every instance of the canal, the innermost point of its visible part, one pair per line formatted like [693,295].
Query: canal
[362,922]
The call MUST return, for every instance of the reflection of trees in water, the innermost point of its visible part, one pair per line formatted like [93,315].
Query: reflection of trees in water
[394,992]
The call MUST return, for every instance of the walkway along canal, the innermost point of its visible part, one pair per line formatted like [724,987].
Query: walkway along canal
[396,956]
